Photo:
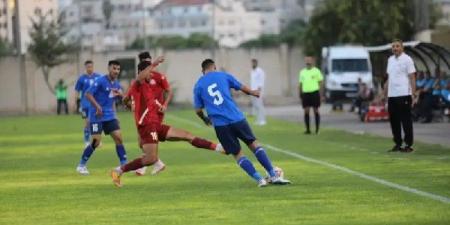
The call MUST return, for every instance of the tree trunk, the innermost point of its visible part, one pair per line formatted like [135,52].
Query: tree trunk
[46,72]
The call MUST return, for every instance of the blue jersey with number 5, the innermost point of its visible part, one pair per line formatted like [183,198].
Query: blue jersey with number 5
[213,92]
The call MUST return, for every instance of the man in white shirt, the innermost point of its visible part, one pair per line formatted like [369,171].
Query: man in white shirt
[257,77]
[401,85]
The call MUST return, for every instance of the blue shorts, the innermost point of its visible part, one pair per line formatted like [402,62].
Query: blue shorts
[104,126]
[84,112]
[229,136]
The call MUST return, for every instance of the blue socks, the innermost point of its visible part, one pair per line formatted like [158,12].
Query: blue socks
[264,160]
[87,135]
[86,155]
[248,167]
[122,154]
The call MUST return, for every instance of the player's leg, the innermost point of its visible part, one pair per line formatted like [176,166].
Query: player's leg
[245,133]
[86,131]
[112,128]
[232,146]
[149,139]
[175,134]
[96,129]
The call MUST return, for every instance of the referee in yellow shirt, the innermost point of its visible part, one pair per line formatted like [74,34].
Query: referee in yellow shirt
[311,89]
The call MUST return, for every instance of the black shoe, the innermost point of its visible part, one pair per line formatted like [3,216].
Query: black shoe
[407,149]
[307,132]
[396,148]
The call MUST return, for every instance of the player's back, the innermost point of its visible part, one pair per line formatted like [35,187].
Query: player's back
[213,93]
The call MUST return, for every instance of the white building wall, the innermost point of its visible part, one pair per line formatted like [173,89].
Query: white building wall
[30,9]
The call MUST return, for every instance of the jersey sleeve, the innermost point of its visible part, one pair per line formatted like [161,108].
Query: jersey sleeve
[319,75]
[164,83]
[410,66]
[79,84]
[300,77]
[93,88]
[198,101]
[233,82]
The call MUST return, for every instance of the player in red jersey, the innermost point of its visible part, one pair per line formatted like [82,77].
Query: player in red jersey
[148,126]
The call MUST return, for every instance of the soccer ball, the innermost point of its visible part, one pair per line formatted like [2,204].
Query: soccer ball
[279,172]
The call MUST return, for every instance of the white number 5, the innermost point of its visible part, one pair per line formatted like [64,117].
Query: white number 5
[218,99]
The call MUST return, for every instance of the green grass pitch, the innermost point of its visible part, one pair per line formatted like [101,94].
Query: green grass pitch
[39,185]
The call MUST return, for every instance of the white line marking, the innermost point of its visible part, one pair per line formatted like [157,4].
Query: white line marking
[436,197]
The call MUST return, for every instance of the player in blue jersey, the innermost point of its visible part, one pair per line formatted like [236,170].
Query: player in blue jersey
[213,93]
[83,83]
[102,115]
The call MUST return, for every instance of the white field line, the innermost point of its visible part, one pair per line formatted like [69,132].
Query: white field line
[436,197]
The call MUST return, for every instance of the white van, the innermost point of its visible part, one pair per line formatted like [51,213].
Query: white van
[342,66]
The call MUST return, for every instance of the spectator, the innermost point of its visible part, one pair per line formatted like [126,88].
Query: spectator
[401,85]
[445,96]
[257,80]
[365,94]
[427,99]
[61,97]
[355,99]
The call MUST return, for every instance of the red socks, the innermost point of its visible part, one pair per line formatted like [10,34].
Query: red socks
[133,165]
[202,143]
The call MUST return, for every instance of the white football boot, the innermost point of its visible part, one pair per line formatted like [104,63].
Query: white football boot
[141,171]
[158,167]
[279,180]
[82,170]
[262,183]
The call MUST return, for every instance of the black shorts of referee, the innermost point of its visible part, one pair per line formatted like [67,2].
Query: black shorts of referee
[311,99]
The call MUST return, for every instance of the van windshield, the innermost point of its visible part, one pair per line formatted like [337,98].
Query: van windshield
[350,65]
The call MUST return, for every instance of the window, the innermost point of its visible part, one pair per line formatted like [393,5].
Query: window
[37,11]
[350,65]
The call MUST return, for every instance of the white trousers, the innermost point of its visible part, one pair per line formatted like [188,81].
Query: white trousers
[258,110]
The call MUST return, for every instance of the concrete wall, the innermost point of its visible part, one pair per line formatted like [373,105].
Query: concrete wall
[23,89]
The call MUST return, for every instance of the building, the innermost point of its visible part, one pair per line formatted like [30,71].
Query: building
[6,20]
[27,10]
[227,21]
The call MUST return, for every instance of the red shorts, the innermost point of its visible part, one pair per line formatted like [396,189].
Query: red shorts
[152,133]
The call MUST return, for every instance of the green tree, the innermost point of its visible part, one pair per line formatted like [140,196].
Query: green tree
[107,9]
[48,48]
[264,41]
[367,22]
[5,48]
[195,40]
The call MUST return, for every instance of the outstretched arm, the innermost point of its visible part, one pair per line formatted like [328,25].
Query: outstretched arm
[147,71]
[248,91]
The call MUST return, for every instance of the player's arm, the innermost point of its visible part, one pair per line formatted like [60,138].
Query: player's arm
[248,91]
[147,71]
[89,96]
[202,116]
[168,94]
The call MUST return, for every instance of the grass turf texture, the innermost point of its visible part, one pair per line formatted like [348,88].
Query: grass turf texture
[39,184]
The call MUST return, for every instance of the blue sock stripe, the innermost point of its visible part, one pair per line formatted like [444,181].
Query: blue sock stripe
[86,155]
[258,149]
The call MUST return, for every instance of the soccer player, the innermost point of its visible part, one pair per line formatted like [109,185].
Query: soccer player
[102,115]
[212,92]
[83,83]
[147,124]
[160,88]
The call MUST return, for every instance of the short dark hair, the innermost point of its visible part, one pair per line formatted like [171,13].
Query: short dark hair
[113,62]
[144,55]
[397,40]
[207,63]
[142,65]
[88,62]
